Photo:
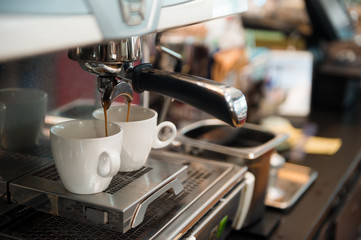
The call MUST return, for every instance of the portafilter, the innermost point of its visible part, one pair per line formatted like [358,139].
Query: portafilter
[113,63]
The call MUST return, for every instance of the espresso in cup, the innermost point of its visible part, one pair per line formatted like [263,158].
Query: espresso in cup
[141,133]
[85,158]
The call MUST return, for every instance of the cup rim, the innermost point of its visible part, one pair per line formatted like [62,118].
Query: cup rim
[119,130]
[101,110]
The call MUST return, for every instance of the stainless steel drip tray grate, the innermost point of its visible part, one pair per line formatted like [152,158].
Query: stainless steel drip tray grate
[71,216]
[13,164]
[49,172]
[121,206]
[17,164]
[120,180]
[44,226]
[166,216]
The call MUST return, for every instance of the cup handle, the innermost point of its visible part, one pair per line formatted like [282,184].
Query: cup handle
[108,163]
[158,143]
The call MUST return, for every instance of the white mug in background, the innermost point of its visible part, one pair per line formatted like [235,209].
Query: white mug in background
[141,133]
[86,160]
[24,117]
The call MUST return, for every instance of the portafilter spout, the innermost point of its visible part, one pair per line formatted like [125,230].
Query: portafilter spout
[111,88]
[109,61]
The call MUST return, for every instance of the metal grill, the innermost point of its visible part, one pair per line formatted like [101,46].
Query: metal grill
[16,160]
[15,164]
[49,172]
[124,178]
[56,227]
[120,180]
[42,150]
[195,177]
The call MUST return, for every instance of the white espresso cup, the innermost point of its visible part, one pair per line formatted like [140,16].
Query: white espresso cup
[141,133]
[24,117]
[85,158]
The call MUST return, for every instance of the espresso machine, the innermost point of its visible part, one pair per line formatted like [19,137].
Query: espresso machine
[174,196]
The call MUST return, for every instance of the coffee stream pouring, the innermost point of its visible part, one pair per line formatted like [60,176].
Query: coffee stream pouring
[113,63]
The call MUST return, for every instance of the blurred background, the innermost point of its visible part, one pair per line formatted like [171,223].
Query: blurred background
[280,56]
[288,57]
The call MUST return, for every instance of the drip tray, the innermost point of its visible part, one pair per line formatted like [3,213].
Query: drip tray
[121,206]
[60,214]
[16,164]
[290,184]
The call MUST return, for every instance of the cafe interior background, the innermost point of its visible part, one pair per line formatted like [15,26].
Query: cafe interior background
[256,52]
[291,71]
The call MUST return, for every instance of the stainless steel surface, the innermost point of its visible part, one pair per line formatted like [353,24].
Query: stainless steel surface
[114,90]
[291,183]
[247,153]
[118,203]
[220,179]
[207,184]
[250,146]
[237,105]
[205,229]
[112,52]
[109,61]
[163,113]
[175,185]
[16,164]
[113,63]
[177,68]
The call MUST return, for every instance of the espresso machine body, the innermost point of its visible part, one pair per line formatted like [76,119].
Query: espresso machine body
[174,196]
[65,24]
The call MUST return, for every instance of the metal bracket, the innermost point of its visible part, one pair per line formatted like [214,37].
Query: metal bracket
[138,217]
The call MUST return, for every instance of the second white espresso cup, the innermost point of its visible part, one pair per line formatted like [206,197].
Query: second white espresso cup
[85,158]
[141,133]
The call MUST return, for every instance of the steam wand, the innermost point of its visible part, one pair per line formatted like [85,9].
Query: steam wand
[177,68]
